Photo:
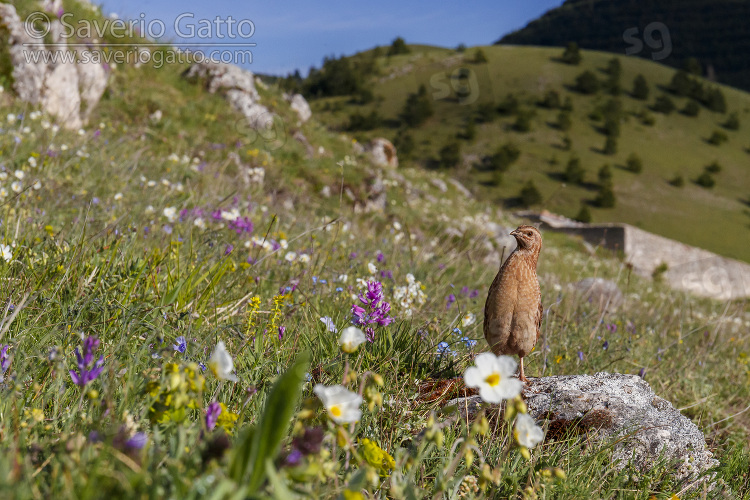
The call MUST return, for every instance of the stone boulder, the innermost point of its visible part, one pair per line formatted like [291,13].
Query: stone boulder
[383,153]
[603,293]
[300,106]
[58,85]
[614,409]
[238,87]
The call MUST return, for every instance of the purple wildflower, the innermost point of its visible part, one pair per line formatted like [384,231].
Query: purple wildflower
[229,249]
[294,457]
[375,311]
[212,415]
[282,330]
[612,327]
[241,224]
[450,300]
[580,355]
[380,257]
[4,361]
[181,344]
[642,372]
[137,442]
[87,369]
[605,345]
[474,294]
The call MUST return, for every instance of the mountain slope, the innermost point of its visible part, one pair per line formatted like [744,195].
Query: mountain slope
[717,33]
[669,144]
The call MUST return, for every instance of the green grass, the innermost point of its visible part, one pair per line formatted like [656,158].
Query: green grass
[715,219]
[89,263]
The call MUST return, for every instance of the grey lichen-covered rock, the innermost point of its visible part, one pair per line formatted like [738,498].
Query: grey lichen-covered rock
[238,87]
[60,85]
[603,293]
[299,105]
[614,408]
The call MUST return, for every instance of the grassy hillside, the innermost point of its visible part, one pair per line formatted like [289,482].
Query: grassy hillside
[674,144]
[132,248]
[670,31]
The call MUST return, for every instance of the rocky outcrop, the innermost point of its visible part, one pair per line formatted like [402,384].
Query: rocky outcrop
[300,106]
[66,87]
[383,153]
[238,87]
[616,409]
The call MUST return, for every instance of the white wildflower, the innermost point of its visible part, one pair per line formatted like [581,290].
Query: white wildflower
[493,376]
[526,432]
[341,404]
[221,363]
[351,338]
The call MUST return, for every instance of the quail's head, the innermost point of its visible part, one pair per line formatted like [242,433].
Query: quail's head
[529,239]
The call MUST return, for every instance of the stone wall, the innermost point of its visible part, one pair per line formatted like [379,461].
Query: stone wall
[689,268]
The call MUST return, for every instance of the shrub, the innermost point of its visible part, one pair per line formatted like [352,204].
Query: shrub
[606,197]
[398,46]
[677,181]
[523,121]
[509,105]
[572,54]
[705,180]
[658,273]
[359,121]
[504,157]
[461,47]
[640,88]
[450,155]
[587,83]
[605,176]
[551,100]
[733,122]
[564,121]
[567,104]
[715,101]
[480,57]
[584,214]
[692,108]
[567,143]
[663,104]
[530,195]
[418,108]
[634,164]
[404,144]
[718,138]
[713,168]
[610,145]
[574,172]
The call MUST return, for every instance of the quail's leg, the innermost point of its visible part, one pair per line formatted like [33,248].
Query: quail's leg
[521,376]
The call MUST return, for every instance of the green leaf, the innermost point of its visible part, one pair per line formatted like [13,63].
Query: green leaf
[280,491]
[262,443]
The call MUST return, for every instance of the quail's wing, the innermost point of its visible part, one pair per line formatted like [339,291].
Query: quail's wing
[539,314]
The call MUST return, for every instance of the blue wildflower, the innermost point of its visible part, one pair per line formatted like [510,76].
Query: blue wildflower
[180,345]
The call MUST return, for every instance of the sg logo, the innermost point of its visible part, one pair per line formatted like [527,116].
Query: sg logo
[661,44]
[462,82]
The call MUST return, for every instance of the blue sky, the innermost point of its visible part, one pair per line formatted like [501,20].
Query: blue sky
[297,34]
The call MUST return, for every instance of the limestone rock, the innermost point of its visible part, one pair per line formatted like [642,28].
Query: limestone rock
[614,408]
[600,292]
[300,106]
[383,153]
[238,87]
[59,85]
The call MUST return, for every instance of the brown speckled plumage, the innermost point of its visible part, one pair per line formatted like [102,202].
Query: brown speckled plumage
[513,311]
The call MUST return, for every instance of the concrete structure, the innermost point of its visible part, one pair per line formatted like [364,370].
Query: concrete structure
[688,268]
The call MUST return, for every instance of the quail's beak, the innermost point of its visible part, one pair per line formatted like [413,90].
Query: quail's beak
[514,233]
